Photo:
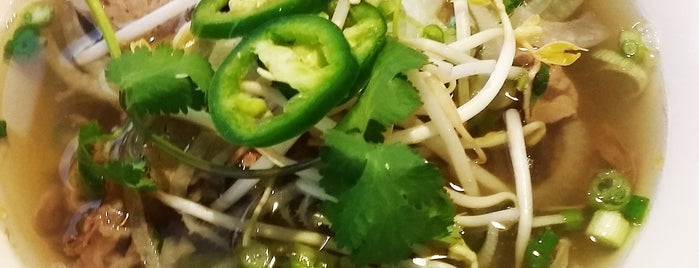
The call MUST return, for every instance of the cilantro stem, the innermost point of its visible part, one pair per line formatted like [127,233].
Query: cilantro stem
[206,166]
[105,27]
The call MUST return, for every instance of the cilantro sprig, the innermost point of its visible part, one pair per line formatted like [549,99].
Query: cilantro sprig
[93,173]
[3,129]
[160,82]
[388,97]
[511,5]
[389,198]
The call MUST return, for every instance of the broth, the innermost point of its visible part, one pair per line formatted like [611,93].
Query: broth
[634,123]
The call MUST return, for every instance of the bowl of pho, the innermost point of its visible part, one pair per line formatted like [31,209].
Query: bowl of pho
[344,133]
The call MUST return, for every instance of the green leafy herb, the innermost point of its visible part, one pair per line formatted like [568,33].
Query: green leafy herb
[388,98]
[540,249]
[389,198]
[93,173]
[161,81]
[3,129]
[511,5]
[637,209]
[541,81]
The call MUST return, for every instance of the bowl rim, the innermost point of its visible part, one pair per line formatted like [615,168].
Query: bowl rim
[664,240]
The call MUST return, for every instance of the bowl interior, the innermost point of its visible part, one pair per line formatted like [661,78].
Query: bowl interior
[666,238]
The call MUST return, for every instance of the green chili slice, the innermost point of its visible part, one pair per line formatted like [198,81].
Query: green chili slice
[306,53]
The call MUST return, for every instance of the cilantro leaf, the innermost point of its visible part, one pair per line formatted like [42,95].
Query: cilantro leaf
[541,82]
[511,5]
[389,198]
[388,97]
[3,129]
[92,174]
[162,81]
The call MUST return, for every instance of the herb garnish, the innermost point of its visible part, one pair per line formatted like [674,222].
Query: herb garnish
[93,173]
[162,81]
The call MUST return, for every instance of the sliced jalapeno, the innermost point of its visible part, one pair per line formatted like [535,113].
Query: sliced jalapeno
[305,52]
[365,32]
[226,19]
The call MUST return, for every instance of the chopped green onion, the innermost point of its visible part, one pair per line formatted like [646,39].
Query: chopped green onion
[105,26]
[511,5]
[632,45]
[637,208]
[433,32]
[609,190]
[38,14]
[3,129]
[608,228]
[256,255]
[540,249]
[387,7]
[307,257]
[25,42]
[618,63]
[573,219]
[541,81]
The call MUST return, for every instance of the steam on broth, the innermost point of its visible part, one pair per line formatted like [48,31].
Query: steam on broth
[432,173]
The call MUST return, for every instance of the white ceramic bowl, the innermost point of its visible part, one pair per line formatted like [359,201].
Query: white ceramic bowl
[669,237]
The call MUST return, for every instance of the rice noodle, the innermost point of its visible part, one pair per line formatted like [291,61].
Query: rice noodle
[140,233]
[480,201]
[242,186]
[449,108]
[182,176]
[200,118]
[457,156]
[487,252]
[308,182]
[481,67]
[488,180]
[437,48]
[527,92]
[484,178]
[462,19]
[21,91]
[185,206]
[483,98]
[501,216]
[135,29]
[77,80]
[340,14]
[194,225]
[560,259]
[533,133]
[477,39]
[67,161]
[320,241]
[520,166]
[461,251]
[257,212]
[540,221]
[311,187]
